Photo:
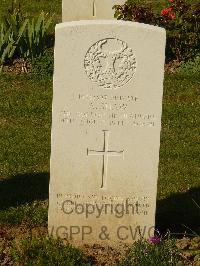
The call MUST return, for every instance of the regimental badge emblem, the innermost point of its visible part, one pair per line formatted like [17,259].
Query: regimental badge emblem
[110,63]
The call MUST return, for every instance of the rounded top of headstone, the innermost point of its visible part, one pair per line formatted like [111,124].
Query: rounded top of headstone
[110,22]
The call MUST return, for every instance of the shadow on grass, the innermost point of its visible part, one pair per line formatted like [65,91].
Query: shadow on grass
[179,213]
[24,188]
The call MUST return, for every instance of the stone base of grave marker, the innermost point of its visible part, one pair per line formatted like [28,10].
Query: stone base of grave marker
[106,122]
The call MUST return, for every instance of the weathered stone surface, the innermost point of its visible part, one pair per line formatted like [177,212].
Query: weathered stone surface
[106,123]
[73,10]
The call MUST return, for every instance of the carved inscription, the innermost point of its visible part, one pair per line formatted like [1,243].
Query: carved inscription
[94,9]
[110,63]
[106,110]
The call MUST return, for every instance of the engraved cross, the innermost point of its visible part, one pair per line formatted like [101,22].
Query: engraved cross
[105,153]
[94,8]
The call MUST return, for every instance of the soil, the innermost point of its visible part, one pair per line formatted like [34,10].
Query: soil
[105,255]
[99,255]
[14,234]
[172,66]
[18,66]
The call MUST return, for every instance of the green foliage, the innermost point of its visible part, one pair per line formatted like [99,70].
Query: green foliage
[36,39]
[180,19]
[34,8]
[43,66]
[191,67]
[23,37]
[6,44]
[135,11]
[143,253]
[36,213]
[182,22]
[47,251]
[12,30]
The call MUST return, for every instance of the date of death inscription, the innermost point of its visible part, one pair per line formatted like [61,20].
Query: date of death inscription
[105,110]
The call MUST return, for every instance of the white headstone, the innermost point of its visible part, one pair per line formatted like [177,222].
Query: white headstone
[106,122]
[73,10]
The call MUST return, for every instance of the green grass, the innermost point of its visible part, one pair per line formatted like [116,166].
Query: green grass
[35,214]
[34,7]
[179,182]
[47,251]
[146,254]
[179,154]
[25,119]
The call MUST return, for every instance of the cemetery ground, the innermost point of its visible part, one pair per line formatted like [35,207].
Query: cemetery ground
[25,149]
[25,130]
